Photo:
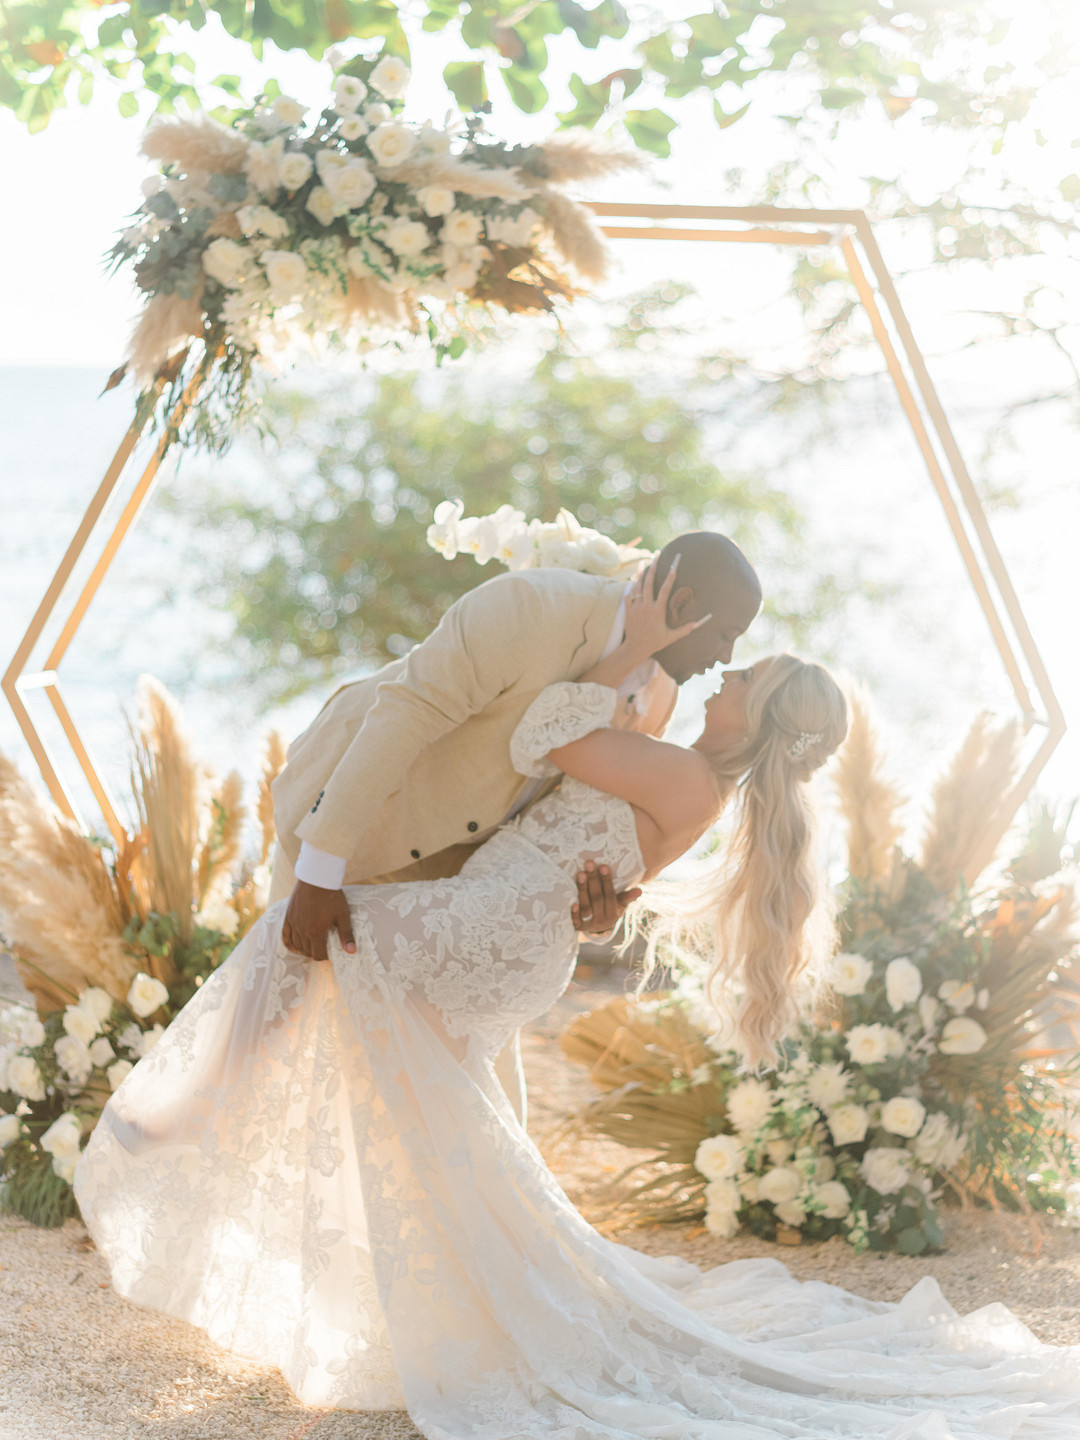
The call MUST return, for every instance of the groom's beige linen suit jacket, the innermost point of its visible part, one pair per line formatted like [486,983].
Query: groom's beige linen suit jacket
[405,771]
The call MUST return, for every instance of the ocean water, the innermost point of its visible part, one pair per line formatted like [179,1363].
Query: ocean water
[927,654]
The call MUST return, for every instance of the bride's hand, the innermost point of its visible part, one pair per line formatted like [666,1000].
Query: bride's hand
[647,628]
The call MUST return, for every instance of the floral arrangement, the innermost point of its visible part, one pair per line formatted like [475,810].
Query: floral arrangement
[522,544]
[356,225]
[929,1070]
[111,942]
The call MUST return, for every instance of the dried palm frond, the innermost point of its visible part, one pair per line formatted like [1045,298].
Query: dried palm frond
[966,799]
[60,912]
[166,323]
[225,223]
[574,233]
[869,803]
[198,143]
[167,786]
[367,299]
[273,764]
[220,850]
[578,154]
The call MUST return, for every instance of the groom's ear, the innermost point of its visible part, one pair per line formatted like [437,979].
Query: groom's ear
[681,606]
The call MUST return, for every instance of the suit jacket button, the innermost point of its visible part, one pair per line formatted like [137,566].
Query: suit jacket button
[316,805]
[415,854]
[473,826]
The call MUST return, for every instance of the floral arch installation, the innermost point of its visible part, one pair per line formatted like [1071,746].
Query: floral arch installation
[849,232]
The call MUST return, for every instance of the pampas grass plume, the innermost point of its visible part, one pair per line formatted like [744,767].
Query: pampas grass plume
[220,850]
[574,233]
[966,799]
[166,323]
[198,143]
[578,154]
[273,764]
[869,803]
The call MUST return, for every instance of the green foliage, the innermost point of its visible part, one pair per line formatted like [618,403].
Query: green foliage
[851,55]
[332,572]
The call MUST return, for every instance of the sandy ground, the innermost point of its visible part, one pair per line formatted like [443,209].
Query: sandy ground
[79,1363]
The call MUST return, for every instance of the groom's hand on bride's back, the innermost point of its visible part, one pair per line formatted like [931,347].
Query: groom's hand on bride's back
[599,907]
[312,913]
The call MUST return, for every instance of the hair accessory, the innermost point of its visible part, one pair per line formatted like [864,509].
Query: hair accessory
[798,748]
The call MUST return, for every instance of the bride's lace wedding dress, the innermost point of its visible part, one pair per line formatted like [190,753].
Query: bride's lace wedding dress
[317,1165]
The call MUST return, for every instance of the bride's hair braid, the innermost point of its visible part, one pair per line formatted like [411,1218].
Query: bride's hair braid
[760,912]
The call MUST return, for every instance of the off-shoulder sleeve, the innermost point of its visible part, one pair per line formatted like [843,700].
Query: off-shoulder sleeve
[561,713]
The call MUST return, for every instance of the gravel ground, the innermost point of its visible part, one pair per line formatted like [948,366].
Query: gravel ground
[79,1363]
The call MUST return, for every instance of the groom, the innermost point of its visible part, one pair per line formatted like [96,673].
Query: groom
[402,774]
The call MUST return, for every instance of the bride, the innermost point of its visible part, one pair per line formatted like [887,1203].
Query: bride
[318,1166]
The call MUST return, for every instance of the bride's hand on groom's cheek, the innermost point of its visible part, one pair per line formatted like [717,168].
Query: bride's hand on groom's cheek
[312,913]
[598,908]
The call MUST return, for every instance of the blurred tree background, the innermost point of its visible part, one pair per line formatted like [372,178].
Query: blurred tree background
[327,569]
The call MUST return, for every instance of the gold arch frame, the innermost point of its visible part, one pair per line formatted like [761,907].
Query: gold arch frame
[848,231]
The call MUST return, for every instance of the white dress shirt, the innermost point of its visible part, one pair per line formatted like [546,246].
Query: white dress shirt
[318,867]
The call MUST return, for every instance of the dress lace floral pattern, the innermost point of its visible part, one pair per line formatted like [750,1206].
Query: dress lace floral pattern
[317,1165]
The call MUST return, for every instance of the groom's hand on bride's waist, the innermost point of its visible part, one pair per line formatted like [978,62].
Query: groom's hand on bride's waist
[312,913]
[599,908]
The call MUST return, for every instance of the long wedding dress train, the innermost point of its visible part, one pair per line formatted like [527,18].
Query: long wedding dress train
[317,1165]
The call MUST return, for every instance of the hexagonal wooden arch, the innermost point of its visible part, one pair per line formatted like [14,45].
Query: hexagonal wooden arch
[850,232]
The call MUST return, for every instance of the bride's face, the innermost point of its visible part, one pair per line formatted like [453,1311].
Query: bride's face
[725,712]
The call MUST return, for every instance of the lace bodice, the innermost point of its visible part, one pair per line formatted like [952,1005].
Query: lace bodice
[576,822]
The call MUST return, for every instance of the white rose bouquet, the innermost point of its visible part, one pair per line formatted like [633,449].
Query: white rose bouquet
[354,225]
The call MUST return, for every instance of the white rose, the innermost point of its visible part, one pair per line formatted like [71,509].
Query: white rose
[779,1151]
[824,1168]
[287,111]
[903,1115]
[791,1212]
[462,274]
[959,995]
[80,1023]
[10,1129]
[295,169]
[895,1044]
[903,983]
[886,1170]
[928,1009]
[226,261]
[512,231]
[320,203]
[261,166]
[377,113]
[435,200]
[130,1038]
[833,1198]
[327,162]
[146,994]
[390,77]
[406,237]
[461,228]
[867,1044]
[350,184]
[850,974]
[848,1124]
[24,1077]
[96,1002]
[780,1184]
[101,1052]
[749,1103]
[722,1195]
[600,556]
[939,1143]
[63,1136]
[353,128]
[349,94]
[32,1032]
[827,1085]
[391,143]
[287,274]
[723,1223]
[73,1057]
[149,1039]
[64,1166]
[217,914]
[719,1157]
[962,1036]
[118,1072]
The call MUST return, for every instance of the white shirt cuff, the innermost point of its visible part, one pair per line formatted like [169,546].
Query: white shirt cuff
[316,867]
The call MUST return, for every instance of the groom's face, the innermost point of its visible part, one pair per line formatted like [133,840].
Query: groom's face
[712,643]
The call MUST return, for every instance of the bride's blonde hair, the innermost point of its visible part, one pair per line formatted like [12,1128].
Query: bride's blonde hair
[760,912]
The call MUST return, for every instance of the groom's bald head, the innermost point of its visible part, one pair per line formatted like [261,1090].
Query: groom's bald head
[714,578]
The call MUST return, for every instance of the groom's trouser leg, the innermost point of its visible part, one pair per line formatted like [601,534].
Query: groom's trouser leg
[282,876]
[511,1073]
